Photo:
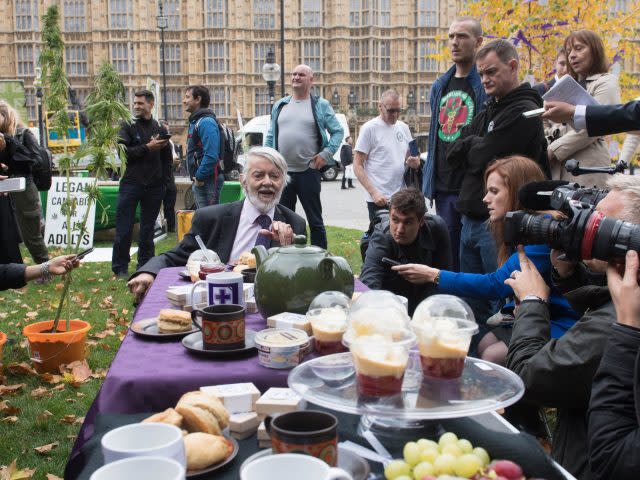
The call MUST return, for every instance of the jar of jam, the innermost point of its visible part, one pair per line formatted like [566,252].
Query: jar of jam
[207,268]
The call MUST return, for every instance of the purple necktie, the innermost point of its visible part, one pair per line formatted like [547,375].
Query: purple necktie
[265,222]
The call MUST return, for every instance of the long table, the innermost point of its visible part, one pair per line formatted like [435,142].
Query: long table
[149,375]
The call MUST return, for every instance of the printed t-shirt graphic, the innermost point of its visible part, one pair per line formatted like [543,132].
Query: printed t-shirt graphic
[456,111]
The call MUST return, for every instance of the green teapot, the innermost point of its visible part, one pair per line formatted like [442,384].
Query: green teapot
[289,278]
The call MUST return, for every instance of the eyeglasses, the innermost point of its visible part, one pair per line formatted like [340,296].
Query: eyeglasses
[391,110]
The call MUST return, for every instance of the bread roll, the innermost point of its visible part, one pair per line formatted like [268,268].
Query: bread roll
[203,413]
[172,321]
[203,450]
[169,416]
[238,268]
[248,259]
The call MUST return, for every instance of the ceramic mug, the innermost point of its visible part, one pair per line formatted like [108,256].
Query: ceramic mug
[222,289]
[222,326]
[141,468]
[310,432]
[144,440]
[291,466]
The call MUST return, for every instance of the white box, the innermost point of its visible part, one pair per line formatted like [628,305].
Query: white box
[245,422]
[278,400]
[236,397]
[290,320]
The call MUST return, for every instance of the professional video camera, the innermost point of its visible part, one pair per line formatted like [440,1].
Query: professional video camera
[585,233]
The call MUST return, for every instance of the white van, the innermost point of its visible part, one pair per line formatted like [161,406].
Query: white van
[254,133]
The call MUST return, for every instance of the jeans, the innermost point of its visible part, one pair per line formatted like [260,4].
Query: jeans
[374,209]
[446,208]
[150,199]
[478,254]
[306,185]
[169,204]
[28,214]
[209,193]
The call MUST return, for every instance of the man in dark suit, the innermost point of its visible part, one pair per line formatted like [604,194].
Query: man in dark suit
[232,228]
[597,119]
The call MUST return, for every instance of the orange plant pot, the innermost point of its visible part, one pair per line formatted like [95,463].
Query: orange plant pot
[50,350]
[3,340]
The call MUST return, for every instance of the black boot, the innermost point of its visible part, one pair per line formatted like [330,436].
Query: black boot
[343,187]
[351,185]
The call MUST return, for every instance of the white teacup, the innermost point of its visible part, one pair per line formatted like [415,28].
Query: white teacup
[291,466]
[141,468]
[223,288]
[144,440]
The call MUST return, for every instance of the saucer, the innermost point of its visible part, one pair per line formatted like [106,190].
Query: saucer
[216,466]
[354,464]
[193,343]
[149,328]
[184,274]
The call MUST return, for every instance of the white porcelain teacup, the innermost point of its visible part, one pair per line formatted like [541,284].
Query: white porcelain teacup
[141,468]
[144,440]
[291,466]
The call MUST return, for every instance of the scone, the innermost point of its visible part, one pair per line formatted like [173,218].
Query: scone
[169,416]
[173,321]
[203,413]
[239,267]
[203,450]
[248,259]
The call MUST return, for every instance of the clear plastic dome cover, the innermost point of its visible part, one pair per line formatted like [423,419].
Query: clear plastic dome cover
[438,307]
[200,257]
[330,299]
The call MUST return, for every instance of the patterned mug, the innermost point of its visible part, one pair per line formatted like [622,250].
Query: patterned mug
[222,326]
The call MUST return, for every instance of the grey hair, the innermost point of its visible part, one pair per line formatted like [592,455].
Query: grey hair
[476,27]
[505,50]
[629,186]
[391,93]
[270,154]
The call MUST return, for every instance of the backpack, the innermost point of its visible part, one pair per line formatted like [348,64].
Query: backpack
[382,215]
[42,168]
[226,153]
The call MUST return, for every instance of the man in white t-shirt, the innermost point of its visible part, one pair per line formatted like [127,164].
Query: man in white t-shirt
[382,152]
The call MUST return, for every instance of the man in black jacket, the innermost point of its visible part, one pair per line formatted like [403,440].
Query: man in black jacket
[408,237]
[498,131]
[148,158]
[558,373]
[233,228]
[346,160]
[614,411]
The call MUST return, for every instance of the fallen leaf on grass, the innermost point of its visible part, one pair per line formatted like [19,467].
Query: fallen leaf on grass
[107,302]
[21,369]
[9,409]
[43,417]
[51,476]
[10,389]
[11,472]
[46,448]
[58,387]
[10,419]
[40,392]
[95,290]
[76,372]
[104,333]
[31,315]
[59,286]
[70,419]
[51,378]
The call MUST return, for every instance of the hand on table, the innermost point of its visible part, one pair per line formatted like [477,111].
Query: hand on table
[527,280]
[625,291]
[280,232]
[416,273]
[139,285]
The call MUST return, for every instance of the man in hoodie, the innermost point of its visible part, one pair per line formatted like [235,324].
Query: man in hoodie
[455,98]
[498,131]
[203,147]
[148,158]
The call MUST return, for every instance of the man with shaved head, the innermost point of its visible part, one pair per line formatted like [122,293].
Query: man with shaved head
[305,130]
[382,151]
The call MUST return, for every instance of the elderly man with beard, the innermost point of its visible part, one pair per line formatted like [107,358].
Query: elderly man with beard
[232,228]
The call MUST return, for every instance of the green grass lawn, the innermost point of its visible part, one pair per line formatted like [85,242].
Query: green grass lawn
[43,413]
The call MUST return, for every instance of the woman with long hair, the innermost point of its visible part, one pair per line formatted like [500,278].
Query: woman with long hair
[28,211]
[588,65]
[503,178]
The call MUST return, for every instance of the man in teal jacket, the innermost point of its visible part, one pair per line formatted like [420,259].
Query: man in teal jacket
[305,130]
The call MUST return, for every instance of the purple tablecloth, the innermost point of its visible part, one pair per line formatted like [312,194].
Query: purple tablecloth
[149,376]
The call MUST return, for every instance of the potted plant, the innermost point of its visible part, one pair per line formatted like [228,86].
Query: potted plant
[53,343]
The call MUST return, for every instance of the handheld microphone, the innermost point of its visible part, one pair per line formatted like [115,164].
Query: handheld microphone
[537,195]
[573,167]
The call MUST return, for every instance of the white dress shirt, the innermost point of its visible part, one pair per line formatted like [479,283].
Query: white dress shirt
[248,229]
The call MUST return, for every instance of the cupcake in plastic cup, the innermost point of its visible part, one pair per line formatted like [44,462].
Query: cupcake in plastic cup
[380,364]
[443,325]
[328,317]
[328,325]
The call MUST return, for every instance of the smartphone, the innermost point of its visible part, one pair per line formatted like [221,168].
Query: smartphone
[84,253]
[390,262]
[413,149]
[533,113]
[15,184]
[164,136]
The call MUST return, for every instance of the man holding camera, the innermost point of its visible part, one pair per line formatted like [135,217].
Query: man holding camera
[148,157]
[559,372]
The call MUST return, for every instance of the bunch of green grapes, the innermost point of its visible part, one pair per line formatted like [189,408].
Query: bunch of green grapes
[426,459]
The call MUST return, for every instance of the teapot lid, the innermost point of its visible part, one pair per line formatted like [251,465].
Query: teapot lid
[300,246]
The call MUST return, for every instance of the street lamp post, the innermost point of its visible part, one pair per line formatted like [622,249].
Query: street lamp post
[411,107]
[270,73]
[335,99]
[163,24]
[39,94]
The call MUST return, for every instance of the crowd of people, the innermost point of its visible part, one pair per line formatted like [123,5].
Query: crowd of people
[570,329]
